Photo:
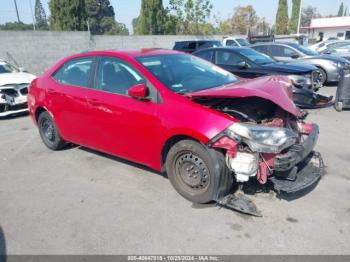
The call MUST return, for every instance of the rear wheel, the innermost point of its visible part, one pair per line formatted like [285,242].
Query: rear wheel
[49,133]
[198,173]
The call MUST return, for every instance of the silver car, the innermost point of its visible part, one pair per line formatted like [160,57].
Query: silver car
[342,50]
[328,66]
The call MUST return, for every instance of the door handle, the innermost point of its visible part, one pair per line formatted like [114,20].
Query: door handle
[51,91]
[93,102]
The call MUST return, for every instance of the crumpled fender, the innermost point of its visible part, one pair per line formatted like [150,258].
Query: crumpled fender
[277,89]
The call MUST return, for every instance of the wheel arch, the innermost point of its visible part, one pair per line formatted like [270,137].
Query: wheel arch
[172,140]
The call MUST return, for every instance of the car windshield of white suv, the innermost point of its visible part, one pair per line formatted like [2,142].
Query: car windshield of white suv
[7,68]
[185,73]
[242,42]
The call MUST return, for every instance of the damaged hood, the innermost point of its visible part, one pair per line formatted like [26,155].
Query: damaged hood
[16,78]
[273,88]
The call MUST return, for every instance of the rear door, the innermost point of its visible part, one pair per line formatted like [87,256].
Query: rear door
[66,99]
[230,61]
[122,125]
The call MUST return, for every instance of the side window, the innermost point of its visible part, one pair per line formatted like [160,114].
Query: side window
[288,52]
[227,58]
[262,49]
[277,50]
[75,72]
[116,76]
[231,43]
[192,45]
[206,55]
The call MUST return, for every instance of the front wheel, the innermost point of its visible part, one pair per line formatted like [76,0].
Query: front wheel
[49,133]
[323,76]
[198,173]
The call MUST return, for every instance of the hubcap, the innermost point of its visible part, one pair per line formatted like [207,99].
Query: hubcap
[48,130]
[192,171]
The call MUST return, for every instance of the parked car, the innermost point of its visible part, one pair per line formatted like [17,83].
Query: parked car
[328,44]
[13,89]
[329,66]
[235,42]
[342,50]
[189,46]
[248,63]
[176,112]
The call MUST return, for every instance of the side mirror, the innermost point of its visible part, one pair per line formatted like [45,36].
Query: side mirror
[242,65]
[139,91]
[295,56]
[21,69]
[327,52]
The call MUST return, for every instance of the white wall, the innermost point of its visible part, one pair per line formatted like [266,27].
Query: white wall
[329,32]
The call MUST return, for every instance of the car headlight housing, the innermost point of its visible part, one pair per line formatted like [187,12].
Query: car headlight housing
[262,138]
[298,80]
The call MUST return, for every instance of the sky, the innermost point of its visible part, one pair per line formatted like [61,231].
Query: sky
[126,10]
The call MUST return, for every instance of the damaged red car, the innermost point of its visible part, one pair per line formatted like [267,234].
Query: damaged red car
[208,129]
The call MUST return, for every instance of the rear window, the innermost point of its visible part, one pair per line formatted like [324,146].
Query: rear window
[75,72]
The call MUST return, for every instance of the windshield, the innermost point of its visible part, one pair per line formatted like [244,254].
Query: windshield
[303,49]
[242,42]
[184,73]
[255,56]
[7,68]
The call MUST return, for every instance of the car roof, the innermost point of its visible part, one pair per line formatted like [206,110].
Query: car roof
[132,52]
[225,48]
[198,40]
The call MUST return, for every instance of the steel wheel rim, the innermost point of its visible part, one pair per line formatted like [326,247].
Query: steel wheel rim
[191,172]
[48,130]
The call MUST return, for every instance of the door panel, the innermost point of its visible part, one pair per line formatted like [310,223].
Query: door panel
[121,125]
[66,99]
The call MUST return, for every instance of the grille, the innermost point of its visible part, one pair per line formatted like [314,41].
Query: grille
[9,92]
[24,91]
[18,107]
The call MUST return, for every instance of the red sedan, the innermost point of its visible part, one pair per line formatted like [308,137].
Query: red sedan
[171,111]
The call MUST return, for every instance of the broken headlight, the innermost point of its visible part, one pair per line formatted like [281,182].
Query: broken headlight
[262,138]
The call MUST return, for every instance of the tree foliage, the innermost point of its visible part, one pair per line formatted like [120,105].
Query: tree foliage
[307,14]
[293,24]
[16,26]
[67,15]
[100,15]
[40,16]
[282,18]
[152,19]
[243,19]
[341,9]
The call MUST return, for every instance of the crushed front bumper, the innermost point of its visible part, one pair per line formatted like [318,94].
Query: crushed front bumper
[304,175]
[13,99]
[300,167]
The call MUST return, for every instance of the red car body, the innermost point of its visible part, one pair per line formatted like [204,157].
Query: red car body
[142,131]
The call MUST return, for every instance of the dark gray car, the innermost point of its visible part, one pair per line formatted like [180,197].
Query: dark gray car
[329,66]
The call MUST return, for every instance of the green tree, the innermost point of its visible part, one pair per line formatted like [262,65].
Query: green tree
[282,18]
[40,16]
[341,9]
[101,17]
[293,24]
[307,14]
[152,18]
[16,26]
[192,15]
[67,15]
[243,19]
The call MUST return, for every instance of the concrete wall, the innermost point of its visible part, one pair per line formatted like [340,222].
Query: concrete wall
[37,51]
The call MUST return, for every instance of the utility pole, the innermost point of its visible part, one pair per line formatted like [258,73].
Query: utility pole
[31,10]
[299,20]
[17,11]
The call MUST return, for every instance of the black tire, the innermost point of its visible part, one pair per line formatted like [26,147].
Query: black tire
[323,74]
[198,173]
[49,133]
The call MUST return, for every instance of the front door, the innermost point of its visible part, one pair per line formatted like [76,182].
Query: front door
[123,126]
